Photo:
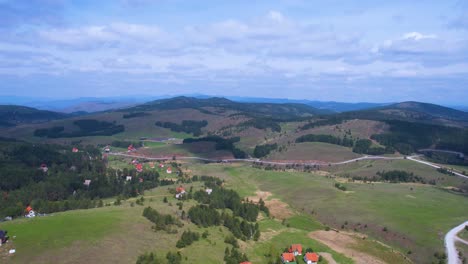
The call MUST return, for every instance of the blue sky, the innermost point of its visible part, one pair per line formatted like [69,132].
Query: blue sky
[341,50]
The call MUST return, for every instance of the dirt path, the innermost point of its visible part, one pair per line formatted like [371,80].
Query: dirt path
[328,257]
[343,243]
[451,249]
[278,208]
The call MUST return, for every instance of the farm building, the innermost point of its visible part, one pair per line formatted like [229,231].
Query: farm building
[311,258]
[44,167]
[131,148]
[246,262]
[128,178]
[180,191]
[296,249]
[288,258]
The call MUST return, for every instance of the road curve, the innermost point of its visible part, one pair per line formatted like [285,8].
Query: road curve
[450,238]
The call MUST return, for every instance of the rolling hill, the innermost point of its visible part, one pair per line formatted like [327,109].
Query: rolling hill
[12,115]
[414,112]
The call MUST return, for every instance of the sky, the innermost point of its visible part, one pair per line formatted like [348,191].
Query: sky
[334,50]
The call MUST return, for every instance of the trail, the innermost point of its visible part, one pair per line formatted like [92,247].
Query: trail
[450,238]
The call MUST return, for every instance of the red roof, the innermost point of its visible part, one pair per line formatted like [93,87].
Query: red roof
[296,247]
[43,165]
[74,150]
[180,189]
[246,262]
[139,166]
[130,147]
[29,208]
[288,257]
[314,257]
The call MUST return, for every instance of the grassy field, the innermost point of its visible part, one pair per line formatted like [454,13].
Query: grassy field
[369,168]
[314,151]
[415,216]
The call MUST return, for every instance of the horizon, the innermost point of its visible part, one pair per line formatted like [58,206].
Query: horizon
[371,51]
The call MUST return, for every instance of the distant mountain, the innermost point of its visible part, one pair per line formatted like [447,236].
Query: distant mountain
[263,109]
[327,105]
[11,115]
[416,112]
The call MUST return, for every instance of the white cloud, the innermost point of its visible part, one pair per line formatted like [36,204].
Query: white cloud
[418,36]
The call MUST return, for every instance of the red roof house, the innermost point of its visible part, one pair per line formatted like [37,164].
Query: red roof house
[28,209]
[311,258]
[131,148]
[161,165]
[139,167]
[246,262]
[296,249]
[74,150]
[288,257]
[169,170]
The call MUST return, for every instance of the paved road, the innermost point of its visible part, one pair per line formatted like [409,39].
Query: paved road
[413,158]
[450,237]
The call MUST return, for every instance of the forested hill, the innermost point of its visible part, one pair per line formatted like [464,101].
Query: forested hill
[414,112]
[258,109]
[12,115]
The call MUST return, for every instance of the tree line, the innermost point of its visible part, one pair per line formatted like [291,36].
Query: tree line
[187,126]
[86,127]
[221,144]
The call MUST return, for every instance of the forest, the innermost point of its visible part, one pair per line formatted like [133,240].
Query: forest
[86,127]
[187,126]
[51,178]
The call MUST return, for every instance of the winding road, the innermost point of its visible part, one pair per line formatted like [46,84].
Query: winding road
[450,238]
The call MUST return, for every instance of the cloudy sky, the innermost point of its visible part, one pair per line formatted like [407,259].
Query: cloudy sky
[341,50]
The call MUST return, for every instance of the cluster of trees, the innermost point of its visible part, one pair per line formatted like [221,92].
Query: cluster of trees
[340,186]
[151,258]
[396,176]
[263,150]
[61,187]
[86,127]
[161,221]
[221,143]
[135,114]
[262,123]
[406,137]
[241,221]
[447,158]
[187,238]
[445,171]
[345,141]
[331,120]
[234,256]
[187,126]
[364,146]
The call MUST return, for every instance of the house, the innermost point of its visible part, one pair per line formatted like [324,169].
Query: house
[209,191]
[44,167]
[161,165]
[296,249]
[311,258]
[74,150]
[28,209]
[287,257]
[128,178]
[131,148]
[139,167]
[31,214]
[151,164]
[134,161]
[180,191]
[246,262]
[107,149]
[169,170]
[87,182]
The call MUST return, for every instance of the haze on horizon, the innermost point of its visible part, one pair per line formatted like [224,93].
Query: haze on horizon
[373,51]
